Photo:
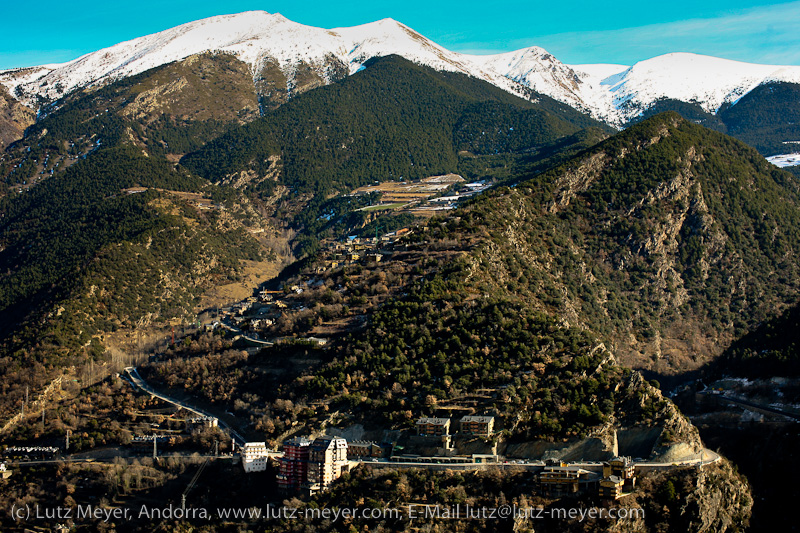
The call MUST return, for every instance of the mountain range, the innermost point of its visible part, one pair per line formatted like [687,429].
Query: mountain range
[148,188]
[285,58]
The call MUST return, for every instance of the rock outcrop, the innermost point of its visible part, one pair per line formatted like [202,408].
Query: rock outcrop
[14,118]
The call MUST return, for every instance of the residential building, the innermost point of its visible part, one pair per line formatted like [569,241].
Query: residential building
[360,449]
[481,426]
[623,468]
[327,460]
[293,466]
[562,480]
[611,488]
[433,427]
[254,456]
[207,421]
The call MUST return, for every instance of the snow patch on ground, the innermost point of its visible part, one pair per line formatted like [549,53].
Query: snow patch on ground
[785,160]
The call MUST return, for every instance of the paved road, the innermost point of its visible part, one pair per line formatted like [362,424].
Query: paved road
[140,383]
[73,459]
[706,457]
[238,331]
[754,405]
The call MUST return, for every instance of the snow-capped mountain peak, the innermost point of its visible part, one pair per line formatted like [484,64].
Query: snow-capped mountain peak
[708,81]
[612,93]
[690,77]
[252,36]
[536,68]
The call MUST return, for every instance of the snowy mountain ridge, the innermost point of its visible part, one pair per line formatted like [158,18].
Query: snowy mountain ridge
[254,37]
[614,94]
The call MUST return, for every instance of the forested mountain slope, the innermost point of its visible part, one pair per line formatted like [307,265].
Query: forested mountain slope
[116,240]
[392,120]
[668,238]
[101,229]
[767,118]
[656,247]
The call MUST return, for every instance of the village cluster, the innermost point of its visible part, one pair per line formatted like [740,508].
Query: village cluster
[424,197]
[309,466]
[255,314]
[252,317]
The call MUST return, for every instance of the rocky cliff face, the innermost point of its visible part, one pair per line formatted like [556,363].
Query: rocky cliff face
[714,498]
[679,439]
[14,118]
[721,497]
[201,87]
[275,84]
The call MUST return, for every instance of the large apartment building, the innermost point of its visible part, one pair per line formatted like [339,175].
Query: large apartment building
[433,427]
[327,459]
[480,426]
[293,466]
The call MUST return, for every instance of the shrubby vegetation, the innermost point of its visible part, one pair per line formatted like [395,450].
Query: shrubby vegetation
[670,502]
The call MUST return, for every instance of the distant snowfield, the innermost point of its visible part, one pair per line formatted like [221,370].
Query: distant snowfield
[614,94]
[785,160]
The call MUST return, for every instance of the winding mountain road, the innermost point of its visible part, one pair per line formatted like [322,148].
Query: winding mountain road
[139,382]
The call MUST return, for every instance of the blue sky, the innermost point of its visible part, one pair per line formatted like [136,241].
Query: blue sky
[575,31]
